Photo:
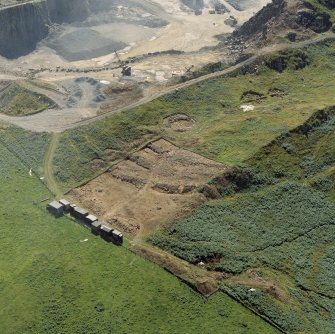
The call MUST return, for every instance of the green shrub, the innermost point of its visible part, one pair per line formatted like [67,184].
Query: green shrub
[235,264]
[323,184]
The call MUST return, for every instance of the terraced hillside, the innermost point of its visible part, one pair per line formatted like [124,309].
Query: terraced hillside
[157,184]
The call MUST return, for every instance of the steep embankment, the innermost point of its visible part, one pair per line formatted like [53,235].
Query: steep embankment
[67,11]
[259,23]
[23,26]
[294,20]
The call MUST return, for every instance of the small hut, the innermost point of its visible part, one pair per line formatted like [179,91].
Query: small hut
[106,233]
[79,213]
[66,205]
[95,227]
[117,237]
[55,208]
[72,206]
[90,219]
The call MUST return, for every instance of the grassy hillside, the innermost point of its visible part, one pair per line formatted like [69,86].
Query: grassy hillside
[281,226]
[306,154]
[52,281]
[16,100]
[223,131]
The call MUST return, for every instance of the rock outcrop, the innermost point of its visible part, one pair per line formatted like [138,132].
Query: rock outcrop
[330,4]
[283,17]
[259,23]
[309,18]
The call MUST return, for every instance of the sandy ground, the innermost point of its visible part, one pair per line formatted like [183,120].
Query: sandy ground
[189,32]
[156,186]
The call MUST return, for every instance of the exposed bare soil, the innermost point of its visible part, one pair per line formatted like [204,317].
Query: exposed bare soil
[257,282]
[154,187]
[205,282]
[179,122]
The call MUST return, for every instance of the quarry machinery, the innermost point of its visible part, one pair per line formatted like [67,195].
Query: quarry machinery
[118,58]
[126,69]
[188,69]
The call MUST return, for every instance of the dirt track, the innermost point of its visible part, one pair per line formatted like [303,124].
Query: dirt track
[48,166]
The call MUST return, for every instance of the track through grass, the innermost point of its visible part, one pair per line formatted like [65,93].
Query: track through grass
[48,165]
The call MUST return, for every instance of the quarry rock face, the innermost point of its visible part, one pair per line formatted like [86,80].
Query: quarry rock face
[23,26]
[67,11]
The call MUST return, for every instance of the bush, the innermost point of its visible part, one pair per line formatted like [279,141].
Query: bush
[289,148]
[323,184]
[293,60]
[234,264]
[291,36]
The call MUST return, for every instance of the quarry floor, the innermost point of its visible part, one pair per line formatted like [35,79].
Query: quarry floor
[179,29]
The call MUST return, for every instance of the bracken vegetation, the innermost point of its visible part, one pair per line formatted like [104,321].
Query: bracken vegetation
[281,224]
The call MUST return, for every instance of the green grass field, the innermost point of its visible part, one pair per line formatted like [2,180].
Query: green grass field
[52,282]
[29,146]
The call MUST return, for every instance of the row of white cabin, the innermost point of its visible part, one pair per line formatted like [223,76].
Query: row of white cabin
[58,208]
